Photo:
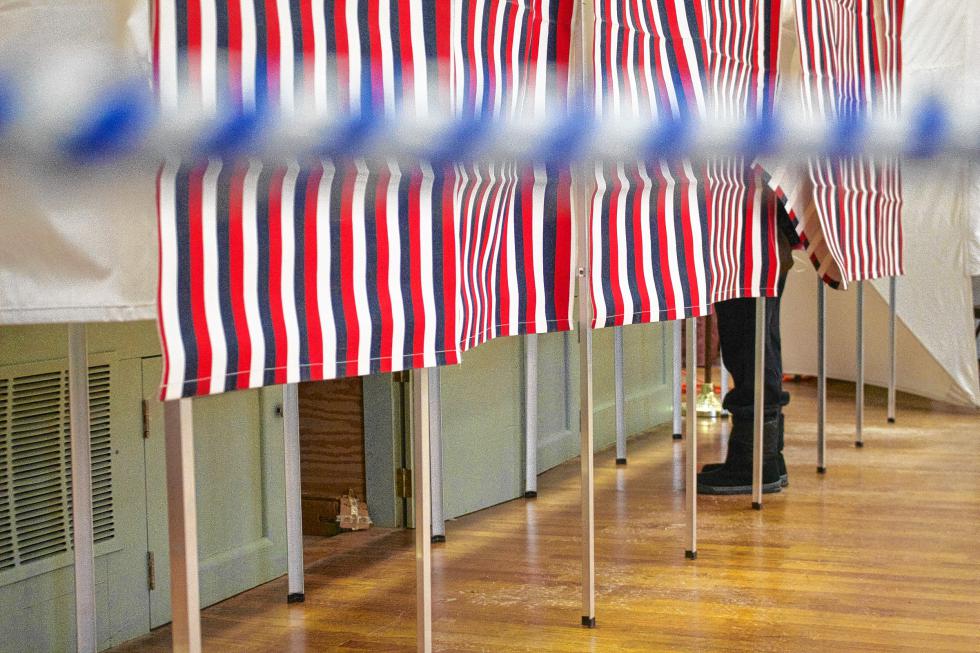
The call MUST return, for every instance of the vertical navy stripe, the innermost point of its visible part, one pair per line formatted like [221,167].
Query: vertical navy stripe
[265,312]
[224,269]
[438,289]
[405,245]
[336,296]
[184,310]
[677,172]
[550,242]
[371,267]
[299,271]
[631,245]
[604,264]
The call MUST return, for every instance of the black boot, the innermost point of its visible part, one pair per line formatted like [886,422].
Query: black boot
[783,472]
[735,475]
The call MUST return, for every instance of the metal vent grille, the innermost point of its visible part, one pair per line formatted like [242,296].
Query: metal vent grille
[6,531]
[35,464]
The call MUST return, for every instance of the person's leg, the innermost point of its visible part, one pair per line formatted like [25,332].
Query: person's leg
[736,331]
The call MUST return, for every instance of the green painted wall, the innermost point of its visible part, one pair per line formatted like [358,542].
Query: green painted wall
[483,411]
[240,496]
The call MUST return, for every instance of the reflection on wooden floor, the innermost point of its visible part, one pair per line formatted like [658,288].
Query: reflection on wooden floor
[882,553]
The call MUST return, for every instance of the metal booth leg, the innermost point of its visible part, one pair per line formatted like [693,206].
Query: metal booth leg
[859,381]
[678,355]
[530,417]
[423,512]
[620,396]
[691,460]
[821,378]
[759,408]
[294,494]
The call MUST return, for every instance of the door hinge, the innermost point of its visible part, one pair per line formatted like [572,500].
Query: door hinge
[146,419]
[151,571]
[403,483]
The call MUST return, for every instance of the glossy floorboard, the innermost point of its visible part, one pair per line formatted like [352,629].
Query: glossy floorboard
[880,554]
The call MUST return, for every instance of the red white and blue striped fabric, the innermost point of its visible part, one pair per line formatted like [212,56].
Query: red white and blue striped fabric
[743,53]
[848,212]
[514,223]
[306,271]
[671,238]
[649,222]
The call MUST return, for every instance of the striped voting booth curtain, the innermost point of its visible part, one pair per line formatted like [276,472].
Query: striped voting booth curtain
[649,221]
[306,271]
[670,238]
[514,222]
[848,210]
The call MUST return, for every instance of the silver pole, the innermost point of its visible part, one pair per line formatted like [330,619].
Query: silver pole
[620,396]
[435,455]
[691,463]
[423,514]
[185,601]
[892,335]
[83,546]
[725,380]
[678,355]
[294,493]
[759,408]
[530,416]
[859,381]
[821,377]
[580,214]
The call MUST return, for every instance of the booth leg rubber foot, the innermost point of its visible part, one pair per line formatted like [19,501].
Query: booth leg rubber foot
[756,505]
[691,555]
[859,444]
[588,622]
[438,539]
[821,470]
[678,436]
[531,494]
[891,420]
[620,461]
[297,597]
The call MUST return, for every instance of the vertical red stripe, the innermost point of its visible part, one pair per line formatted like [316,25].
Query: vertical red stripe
[196,229]
[276,311]
[563,251]
[377,78]
[272,49]
[194,43]
[384,266]
[407,47]
[342,46]
[614,238]
[311,262]
[418,306]
[309,49]
[234,10]
[527,215]
[347,271]
[236,275]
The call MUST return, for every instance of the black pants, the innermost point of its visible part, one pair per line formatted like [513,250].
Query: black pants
[736,331]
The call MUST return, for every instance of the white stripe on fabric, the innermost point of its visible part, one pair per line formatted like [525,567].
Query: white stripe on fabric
[359,272]
[211,264]
[287,215]
[324,266]
[250,272]
[169,265]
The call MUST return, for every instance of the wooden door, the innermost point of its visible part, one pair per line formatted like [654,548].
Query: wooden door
[331,427]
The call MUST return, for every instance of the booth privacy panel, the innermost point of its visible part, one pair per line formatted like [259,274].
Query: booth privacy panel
[284,273]
[291,272]
[79,248]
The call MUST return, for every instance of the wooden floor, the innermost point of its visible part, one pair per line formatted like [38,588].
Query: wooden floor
[881,554]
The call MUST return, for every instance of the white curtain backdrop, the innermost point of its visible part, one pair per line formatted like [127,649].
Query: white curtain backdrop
[937,356]
[79,248]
